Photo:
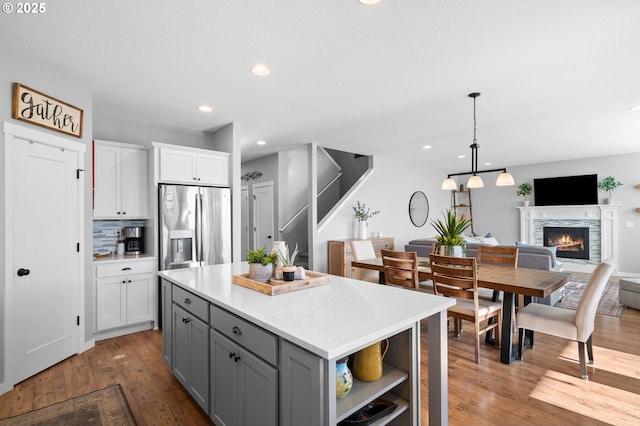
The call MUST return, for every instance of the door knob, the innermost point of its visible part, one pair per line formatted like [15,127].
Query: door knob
[22,272]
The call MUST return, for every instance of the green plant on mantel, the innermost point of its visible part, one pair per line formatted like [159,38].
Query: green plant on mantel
[524,190]
[262,257]
[450,229]
[609,184]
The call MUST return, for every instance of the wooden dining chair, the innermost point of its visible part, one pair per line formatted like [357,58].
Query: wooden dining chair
[501,256]
[457,277]
[401,268]
[360,250]
[573,325]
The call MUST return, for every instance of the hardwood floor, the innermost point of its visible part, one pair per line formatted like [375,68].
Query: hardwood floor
[544,388]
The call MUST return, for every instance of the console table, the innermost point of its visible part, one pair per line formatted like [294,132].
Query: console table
[340,255]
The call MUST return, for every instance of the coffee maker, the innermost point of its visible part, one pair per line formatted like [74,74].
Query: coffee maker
[134,240]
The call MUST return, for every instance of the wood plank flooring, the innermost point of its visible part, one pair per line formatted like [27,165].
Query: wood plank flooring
[544,388]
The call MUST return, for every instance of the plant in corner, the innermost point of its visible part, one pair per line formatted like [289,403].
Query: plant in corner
[609,184]
[362,214]
[450,233]
[288,262]
[524,190]
[261,264]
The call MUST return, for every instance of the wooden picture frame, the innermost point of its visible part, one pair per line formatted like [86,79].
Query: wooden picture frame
[37,108]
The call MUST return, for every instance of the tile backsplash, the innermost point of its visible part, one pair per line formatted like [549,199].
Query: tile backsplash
[107,232]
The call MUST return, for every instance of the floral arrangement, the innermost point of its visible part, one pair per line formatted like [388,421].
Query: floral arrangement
[362,212]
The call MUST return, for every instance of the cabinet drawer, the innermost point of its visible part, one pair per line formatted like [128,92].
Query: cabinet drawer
[125,268]
[192,303]
[252,337]
[383,244]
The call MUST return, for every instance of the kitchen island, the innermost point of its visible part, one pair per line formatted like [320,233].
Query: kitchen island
[276,355]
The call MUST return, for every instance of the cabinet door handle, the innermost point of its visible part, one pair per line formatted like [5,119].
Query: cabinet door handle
[187,301]
[236,330]
[118,212]
[124,281]
[231,355]
[126,269]
[22,272]
[124,212]
[186,320]
[129,281]
[236,358]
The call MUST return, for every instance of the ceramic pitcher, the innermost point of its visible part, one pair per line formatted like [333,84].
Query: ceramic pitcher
[367,364]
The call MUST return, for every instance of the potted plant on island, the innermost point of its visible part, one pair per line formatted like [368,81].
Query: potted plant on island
[261,264]
[524,190]
[450,241]
[609,184]
[288,263]
[363,214]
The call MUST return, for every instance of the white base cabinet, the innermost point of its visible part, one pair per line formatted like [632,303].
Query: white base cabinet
[124,294]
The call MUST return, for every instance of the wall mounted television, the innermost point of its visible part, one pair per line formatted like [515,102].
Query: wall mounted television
[566,190]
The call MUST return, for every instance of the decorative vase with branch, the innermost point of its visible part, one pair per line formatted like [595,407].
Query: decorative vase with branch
[363,214]
[524,190]
[609,184]
[450,241]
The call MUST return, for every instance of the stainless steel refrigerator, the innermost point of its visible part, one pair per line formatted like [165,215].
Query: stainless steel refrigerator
[195,226]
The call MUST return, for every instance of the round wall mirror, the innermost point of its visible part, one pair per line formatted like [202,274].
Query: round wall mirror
[418,208]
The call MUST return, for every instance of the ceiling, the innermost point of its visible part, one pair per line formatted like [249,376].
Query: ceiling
[558,78]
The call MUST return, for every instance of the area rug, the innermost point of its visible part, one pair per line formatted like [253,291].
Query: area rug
[608,303]
[105,407]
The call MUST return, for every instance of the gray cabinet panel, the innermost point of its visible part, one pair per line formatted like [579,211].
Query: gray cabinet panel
[302,386]
[181,346]
[167,323]
[244,389]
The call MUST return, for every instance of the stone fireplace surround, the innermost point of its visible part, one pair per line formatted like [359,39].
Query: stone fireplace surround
[601,219]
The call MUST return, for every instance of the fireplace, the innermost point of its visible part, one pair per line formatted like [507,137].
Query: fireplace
[572,242]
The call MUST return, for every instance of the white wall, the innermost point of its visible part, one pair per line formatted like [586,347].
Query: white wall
[389,190]
[494,208]
[37,76]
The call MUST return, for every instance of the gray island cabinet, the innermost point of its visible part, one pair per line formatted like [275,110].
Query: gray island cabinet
[271,360]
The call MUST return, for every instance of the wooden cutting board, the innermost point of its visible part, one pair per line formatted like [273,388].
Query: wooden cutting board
[275,287]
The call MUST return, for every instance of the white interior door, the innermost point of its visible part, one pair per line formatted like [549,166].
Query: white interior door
[45,300]
[263,215]
[244,222]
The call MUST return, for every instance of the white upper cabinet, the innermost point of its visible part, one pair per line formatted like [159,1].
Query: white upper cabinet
[194,166]
[120,181]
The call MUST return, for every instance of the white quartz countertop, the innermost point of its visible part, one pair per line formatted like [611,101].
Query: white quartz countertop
[121,258]
[331,320]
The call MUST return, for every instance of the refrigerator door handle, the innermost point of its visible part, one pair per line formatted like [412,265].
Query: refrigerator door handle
[197,231]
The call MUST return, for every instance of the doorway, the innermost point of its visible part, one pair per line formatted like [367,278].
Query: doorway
[44,259]
[263,214]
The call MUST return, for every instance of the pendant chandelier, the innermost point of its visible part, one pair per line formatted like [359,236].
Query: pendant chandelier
[475,181]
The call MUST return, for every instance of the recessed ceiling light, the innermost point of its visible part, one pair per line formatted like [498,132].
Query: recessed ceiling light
[487,164]
[260,70]
[261,142]
[368,2]
[462,156]
[426,147]
[635,108]
[205,108]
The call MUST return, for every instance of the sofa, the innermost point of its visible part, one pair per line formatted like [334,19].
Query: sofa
[532,257]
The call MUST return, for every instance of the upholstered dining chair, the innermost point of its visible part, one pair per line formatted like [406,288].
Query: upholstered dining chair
[457,277]
[360,250]
[401,268]
[573,325]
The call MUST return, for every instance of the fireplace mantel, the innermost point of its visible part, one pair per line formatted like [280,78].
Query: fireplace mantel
[605,214]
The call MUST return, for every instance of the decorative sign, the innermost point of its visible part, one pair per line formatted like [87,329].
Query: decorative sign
[37,108]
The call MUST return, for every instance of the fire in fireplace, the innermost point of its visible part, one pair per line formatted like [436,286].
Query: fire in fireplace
[572,242]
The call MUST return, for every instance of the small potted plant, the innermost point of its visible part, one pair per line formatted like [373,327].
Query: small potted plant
[288,262]
[524,190]
[363,214]
[261,264]
[450,241]
[609,184]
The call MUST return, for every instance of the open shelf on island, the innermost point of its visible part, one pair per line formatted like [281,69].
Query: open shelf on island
[364,392]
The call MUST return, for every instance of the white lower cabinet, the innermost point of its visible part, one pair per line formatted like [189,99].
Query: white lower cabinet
[124,294]
[244,389]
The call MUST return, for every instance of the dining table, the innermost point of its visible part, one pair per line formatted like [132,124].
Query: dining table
[511,281]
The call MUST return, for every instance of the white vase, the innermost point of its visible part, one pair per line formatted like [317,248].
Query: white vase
[525,203]
[362,230]
[279,246]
